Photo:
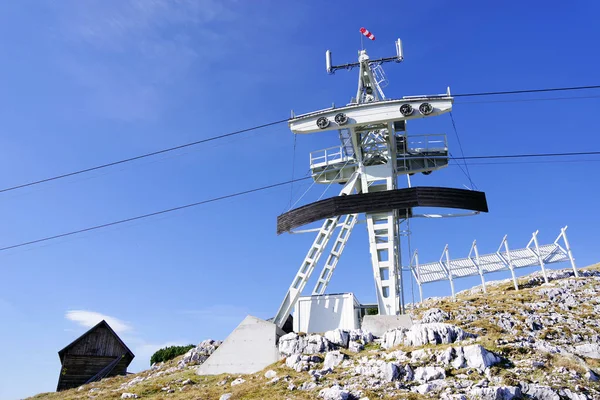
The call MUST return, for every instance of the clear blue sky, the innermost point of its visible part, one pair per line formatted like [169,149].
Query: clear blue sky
[89,82]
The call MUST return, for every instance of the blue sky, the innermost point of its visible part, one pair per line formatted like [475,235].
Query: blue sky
[88,82]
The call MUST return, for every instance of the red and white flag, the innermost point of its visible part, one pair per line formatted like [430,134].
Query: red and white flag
[367,33]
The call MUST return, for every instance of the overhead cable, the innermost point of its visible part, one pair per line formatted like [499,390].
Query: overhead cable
[166,150]
[215,199]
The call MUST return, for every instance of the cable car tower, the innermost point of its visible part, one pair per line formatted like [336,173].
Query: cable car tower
[374,151]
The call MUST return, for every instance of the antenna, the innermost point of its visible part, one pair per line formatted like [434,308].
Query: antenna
[399,51]
[328,61]
[332,68]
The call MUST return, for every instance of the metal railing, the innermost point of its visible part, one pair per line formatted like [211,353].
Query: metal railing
[331,155]
[413,144]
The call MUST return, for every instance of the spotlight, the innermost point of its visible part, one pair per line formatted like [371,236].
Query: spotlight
[406,109]
[425,108]
[341,118]
[323,122]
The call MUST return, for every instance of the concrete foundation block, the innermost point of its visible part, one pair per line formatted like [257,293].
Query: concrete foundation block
[251,347]
[379,324]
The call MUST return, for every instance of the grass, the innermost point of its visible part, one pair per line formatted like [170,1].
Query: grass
[500,299]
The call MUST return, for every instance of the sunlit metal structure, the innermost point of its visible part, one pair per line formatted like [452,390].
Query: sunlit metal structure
[375,149]
[504,259]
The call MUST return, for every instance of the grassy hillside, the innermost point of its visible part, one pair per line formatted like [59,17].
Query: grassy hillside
[534,333]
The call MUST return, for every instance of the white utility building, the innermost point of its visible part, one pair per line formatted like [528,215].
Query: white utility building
[327,312]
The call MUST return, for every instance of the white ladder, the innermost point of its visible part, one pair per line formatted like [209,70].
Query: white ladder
[311,259]
[335,254]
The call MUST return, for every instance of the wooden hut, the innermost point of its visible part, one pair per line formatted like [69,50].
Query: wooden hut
[97,354]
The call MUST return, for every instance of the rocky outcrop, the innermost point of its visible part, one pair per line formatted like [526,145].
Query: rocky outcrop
[293,343]
[200,353]
[588,350]
[542,342]
[434,315]
[422,334]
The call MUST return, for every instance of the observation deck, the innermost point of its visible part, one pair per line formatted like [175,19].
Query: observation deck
[414,154]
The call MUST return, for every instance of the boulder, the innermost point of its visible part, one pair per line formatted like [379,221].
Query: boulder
[446,356]
[307,386]
[422,389]
[334,393]
[358,334]
[238,381]
[434,315]
[379,369]
[393,338]
[293,360]
[496,393]
[355,347]
[338,337]
[426,374]
[573,396]
[459,358]
[422,334]
[333,359]
[316,344]
[588,350]
[539,392]
[270,374]
[476,356]
[200,353]
[391,372]
[292,343]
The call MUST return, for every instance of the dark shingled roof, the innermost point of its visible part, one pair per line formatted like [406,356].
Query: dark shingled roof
[61,353]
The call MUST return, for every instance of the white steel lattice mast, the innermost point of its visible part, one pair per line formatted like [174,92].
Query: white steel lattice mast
[375,149]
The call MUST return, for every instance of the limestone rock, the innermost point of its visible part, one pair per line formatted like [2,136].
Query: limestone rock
[379,369]
[333,359]
[334,393]
[358,334]
[308,386]
[270,374]
[446,356]
[199,354]
[391,372]
[434,315]
[496,393]
[393,338]
[478,357]
[588,350]
[293,360]
[572,395]
[292,343]
[238,381]
[438,333]
[355,347]
[459,360]
[422,334]
[539,392]
[129,396]
[338,337]
[316,344]
[426,374]
[226,396]
[422,389]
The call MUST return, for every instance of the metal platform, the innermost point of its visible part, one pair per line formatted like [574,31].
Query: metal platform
[414,154]
[503,259]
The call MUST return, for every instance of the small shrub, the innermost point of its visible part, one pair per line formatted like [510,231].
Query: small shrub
[372,311]
[169,353]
